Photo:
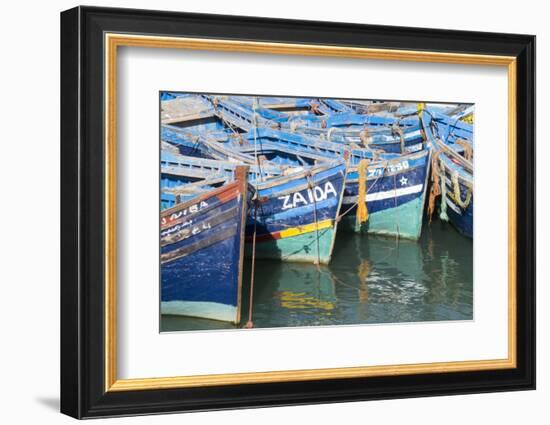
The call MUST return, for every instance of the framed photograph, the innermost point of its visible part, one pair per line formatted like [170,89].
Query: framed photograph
[261,212]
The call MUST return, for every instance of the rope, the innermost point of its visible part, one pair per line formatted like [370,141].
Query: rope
[315,219]
[435,190]
[468,150]
[397,130]
[362,210]
[315,108]
[339,217]
[249,323]
[458,198]
[255,123]
[395,206]
[443,213]
[364,136]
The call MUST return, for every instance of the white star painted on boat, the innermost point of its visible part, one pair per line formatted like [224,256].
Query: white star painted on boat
[403,181]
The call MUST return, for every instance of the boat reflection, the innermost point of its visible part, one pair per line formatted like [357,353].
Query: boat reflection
[293,294]
[370,280]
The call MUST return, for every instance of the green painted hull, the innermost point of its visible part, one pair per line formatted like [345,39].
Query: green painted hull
[404,221]
[299,248]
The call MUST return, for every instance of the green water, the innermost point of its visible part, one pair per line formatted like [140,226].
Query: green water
[369,280]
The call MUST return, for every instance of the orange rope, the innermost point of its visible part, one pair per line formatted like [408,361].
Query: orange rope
[364,136]
[468,150]
[435,190]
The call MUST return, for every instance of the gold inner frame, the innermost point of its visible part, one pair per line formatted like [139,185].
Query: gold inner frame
[113,41]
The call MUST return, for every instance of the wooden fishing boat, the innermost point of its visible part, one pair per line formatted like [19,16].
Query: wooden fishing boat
[457,197]
[292,216]
[384,193]
[375,132]
[204,237]
[350,121]
[275,103]
[295,217]
[392,138]
[387,197]
[401,186]
[184,108]
[452,171]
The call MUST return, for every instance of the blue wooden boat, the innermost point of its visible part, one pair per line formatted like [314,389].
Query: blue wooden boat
[184,108]
[375,132]
[336,121]
[402,217]
[394,185]
[292,216]
[295,217]
[452,171]
[333,106]
[457,197]
[275,103]
[450,129]
[393,138]
[202,239]
[350,121]
[394,194]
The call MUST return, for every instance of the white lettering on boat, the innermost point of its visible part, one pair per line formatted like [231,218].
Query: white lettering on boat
[391,168]
[182,213]
[317,194]
[186,229]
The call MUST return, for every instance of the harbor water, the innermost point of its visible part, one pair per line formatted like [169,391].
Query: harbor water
[371,279]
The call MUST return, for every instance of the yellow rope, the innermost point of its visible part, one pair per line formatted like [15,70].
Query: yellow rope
[435,190]
[458,198]
[362,210]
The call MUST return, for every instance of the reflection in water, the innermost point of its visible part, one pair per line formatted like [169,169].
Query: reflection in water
[370,280]
[294,294]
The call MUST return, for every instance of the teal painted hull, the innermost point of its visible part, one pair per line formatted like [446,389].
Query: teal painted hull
[404,221]
[299,248]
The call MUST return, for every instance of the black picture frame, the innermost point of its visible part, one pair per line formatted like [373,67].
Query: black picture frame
[83,392]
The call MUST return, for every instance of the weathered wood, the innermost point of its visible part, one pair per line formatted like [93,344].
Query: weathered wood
[185,108]
[181,252]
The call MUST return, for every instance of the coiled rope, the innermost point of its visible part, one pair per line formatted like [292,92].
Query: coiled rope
[457,195]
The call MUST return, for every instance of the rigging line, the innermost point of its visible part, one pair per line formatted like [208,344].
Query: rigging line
[315,219]
[249,324]
[255,124]
[395,205]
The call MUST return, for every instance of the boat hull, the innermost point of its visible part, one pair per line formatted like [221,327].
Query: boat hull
[404,221]
[202,247]
[461,217]
[395,198]
[462,220]
[296,219]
